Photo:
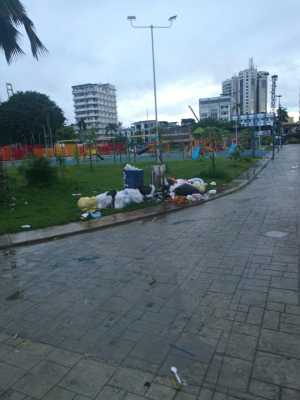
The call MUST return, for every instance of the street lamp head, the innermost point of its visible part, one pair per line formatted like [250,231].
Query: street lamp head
[173,18]
[131,18]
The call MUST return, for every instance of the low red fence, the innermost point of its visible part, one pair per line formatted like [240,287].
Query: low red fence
[18,152]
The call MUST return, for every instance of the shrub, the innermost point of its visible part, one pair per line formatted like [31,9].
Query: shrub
[39,172]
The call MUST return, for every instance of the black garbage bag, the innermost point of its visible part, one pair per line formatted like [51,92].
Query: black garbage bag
[185,190]
[145,190]
[112,193]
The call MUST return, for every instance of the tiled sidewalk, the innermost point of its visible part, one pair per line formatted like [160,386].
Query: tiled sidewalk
[224,291]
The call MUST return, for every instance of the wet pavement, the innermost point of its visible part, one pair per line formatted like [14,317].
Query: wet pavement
[96,313]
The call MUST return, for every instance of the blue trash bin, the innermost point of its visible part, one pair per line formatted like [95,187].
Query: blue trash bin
[133,179]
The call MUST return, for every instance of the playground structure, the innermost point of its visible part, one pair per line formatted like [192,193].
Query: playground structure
[129,149]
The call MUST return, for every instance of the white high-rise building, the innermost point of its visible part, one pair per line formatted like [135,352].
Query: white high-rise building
[220,108]
[249,89]
[96,104]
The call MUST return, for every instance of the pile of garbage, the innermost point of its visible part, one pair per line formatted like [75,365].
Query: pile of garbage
[174,190]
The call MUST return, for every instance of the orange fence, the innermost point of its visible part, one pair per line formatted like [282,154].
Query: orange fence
[67,150]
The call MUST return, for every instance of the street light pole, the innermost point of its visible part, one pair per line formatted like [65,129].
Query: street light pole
[279,123]
[171,19]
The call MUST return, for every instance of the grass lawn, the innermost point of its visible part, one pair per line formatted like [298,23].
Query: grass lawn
[56,205]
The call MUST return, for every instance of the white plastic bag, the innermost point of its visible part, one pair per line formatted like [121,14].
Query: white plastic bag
[213,191]
[103,201]
[122,199]
[135,195]
[197,180]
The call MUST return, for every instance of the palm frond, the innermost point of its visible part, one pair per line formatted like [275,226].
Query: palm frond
[12,15]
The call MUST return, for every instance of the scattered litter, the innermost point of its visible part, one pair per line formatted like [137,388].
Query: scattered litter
[14,199]
[7,276]
[22,344]
[213,183]
[16,335]
[11,209]
[26,202]
[94,191]
[76,194]
[185,351]
[175,384]
[213,191]
[153,280]
[14,296]
[174,370]
[106,199]
[25,226]
[90,215]
[147,384]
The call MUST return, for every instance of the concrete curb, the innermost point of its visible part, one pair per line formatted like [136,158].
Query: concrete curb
[74,228]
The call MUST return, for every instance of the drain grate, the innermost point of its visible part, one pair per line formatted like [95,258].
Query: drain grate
[276,234]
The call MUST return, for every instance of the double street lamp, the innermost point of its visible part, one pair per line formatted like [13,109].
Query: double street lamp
[279,123]
[171,19]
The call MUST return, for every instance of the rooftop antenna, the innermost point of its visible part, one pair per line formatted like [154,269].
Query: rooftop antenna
[251,65]
[9,90]
[274,79]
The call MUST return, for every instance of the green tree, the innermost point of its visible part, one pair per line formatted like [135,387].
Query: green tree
[90,138]
[246,136]
[65,133]
[111,128]
[12,15]
[283,114]
[208,122]
[23,114]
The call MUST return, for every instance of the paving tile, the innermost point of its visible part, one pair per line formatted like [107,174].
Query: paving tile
[61,394]
[110,393]
[13,395]
[160,392]
[241,346]
[265,390]
[131,380]
[112,349]
[152,349]
[283,296]
[289,394]
[9,375]
[235,373]
[64,357]
[87,378]
[41,379]
[279,343]
[278,370]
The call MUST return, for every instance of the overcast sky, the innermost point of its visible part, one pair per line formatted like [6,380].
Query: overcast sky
[91,41]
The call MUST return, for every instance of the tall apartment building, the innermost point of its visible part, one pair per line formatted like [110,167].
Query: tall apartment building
[249,88]
[96,104]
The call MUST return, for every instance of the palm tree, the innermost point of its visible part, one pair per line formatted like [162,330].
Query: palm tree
[91,142]
[12,15]
[111,127]
[283,114]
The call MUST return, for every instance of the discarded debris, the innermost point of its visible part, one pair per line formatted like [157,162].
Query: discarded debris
[16,335]
[76,194]
[14,296]
[175,384]
[174,370]
[25,226]
[7,276]
[185,351]
[153,280]
[213,183]
[22,344]
[147,384]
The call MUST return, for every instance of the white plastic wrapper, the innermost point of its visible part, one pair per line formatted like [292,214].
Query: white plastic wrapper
[104,201]
[135,195]
[122,199]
